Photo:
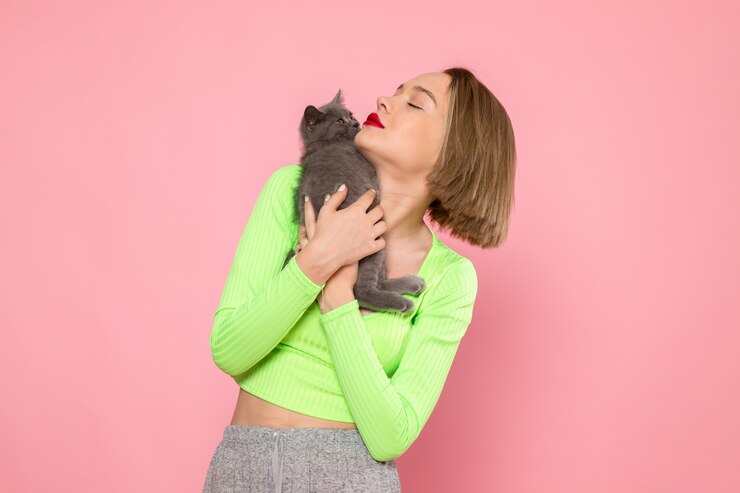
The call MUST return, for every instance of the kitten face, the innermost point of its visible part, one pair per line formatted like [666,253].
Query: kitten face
[332,121]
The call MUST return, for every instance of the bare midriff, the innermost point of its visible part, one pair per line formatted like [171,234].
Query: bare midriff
[254,411]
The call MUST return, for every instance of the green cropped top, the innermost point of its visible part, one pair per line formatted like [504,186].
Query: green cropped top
[383,371]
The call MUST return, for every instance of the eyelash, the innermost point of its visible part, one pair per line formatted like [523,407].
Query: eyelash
[413,105]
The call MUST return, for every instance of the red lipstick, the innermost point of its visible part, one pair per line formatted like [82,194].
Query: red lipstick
[373,120]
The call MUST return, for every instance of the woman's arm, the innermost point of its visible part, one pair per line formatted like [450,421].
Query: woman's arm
[390,413]
[261,301]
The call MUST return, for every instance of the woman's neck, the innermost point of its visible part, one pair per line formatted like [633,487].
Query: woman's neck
[404,205]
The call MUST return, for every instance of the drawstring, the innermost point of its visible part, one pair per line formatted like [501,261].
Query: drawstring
[277,466]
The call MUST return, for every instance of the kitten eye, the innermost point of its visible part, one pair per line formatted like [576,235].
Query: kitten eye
[340,121]
[417,107]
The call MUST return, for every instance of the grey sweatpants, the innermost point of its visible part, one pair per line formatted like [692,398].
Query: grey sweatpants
[291,460]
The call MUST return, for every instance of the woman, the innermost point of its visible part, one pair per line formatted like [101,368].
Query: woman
[330,393]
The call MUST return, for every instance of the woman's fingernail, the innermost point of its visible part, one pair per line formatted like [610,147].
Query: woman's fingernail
[326,197]
[305,198]
[374,191]
[341,187]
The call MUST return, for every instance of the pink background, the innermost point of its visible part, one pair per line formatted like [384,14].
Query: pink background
[604,354]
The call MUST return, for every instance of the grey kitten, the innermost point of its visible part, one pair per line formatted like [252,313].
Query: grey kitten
[329,159]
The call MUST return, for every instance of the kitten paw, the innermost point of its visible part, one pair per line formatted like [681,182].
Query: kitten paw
[405,284]
[409,306]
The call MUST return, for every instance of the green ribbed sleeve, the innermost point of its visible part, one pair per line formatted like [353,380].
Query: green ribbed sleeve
[261,301]
[390,413]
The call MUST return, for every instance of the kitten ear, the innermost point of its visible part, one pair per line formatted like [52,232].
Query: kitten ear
[339,98]
[311,115]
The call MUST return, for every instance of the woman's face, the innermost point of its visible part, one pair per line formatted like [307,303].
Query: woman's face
[412,135]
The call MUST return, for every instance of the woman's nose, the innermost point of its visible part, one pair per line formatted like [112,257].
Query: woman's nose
[382,101]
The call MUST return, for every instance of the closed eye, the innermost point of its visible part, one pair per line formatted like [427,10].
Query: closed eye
[417,107]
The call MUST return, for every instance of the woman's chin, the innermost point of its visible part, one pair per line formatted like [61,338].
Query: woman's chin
[361,144]
[366,146]
[360,136]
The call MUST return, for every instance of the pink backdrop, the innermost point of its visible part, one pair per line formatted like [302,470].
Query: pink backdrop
[134,139]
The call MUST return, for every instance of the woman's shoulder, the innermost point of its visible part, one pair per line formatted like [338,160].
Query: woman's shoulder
[281,185]
[447,258]
[450,274]
[284,178]
[288,172]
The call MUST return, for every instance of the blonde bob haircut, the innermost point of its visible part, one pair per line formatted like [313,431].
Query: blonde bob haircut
[473,178]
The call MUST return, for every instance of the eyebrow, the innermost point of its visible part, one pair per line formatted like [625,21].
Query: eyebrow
[424,90]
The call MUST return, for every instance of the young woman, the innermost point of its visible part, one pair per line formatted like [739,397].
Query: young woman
[331,393]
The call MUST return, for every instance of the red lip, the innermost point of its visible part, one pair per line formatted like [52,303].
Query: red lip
[374,120]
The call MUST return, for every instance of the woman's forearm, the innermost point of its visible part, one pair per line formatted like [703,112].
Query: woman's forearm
[331,298]
[315,264]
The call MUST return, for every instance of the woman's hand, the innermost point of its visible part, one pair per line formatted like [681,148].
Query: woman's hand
[339,288]
[344,236]
[346,275]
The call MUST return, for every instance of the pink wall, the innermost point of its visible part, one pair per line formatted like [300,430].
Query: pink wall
[604,355]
